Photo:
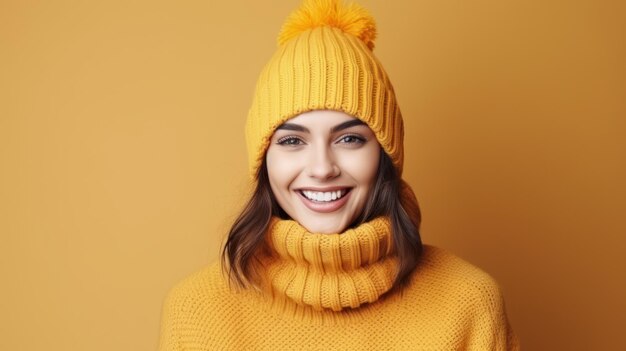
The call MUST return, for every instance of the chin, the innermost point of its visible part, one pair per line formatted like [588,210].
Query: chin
[324,226]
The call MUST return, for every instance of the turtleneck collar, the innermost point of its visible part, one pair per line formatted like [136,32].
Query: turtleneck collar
[329,272]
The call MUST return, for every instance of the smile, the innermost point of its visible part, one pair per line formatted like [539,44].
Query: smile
[325,201]
[324,196]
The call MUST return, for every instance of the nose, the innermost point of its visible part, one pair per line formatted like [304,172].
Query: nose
[322,164]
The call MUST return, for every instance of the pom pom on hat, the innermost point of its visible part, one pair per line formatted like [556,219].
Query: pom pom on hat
[352,19]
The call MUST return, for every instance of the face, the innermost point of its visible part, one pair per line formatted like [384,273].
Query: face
[322,166]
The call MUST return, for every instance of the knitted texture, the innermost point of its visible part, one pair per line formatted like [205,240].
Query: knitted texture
[330,271]
[325,62]
[323,295]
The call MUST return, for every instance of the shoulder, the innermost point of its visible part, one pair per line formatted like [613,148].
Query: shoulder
[457,279]
[439,263]
[208,278]
[197,307]
[198,289]
[463,298]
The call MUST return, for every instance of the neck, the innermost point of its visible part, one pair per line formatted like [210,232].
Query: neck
[329,272]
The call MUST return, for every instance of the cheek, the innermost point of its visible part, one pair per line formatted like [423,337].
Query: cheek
[363,167]
[281,171]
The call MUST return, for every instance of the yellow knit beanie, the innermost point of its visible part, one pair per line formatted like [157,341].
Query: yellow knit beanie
[325,61]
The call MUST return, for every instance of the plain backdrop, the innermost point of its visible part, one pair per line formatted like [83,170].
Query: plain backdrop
[123,161]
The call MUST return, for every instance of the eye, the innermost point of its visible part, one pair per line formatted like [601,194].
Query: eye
[289,141]
[352,139]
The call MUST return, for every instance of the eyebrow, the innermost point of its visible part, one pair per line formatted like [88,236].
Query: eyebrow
[338,127]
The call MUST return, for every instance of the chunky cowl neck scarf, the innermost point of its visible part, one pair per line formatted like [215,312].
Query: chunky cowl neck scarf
[329,272]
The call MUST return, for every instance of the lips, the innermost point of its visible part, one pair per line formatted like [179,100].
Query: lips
[321,200]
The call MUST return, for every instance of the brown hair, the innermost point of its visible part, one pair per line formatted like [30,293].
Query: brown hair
[247,234]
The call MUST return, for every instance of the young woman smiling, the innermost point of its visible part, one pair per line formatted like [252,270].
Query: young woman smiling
[321,167]
[327,255]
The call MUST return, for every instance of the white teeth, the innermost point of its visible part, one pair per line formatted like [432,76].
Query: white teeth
[323,196]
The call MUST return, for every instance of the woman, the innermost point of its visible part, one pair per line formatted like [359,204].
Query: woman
[327,253]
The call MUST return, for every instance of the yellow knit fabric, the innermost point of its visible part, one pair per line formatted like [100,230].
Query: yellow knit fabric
[327,292]
[330,271]
[325,62]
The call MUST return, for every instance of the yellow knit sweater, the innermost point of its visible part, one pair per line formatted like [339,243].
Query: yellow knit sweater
[328,292]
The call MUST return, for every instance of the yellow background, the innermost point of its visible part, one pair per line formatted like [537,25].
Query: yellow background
[123,161]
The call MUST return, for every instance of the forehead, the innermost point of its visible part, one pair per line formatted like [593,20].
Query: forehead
[317,115]
[321,120]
